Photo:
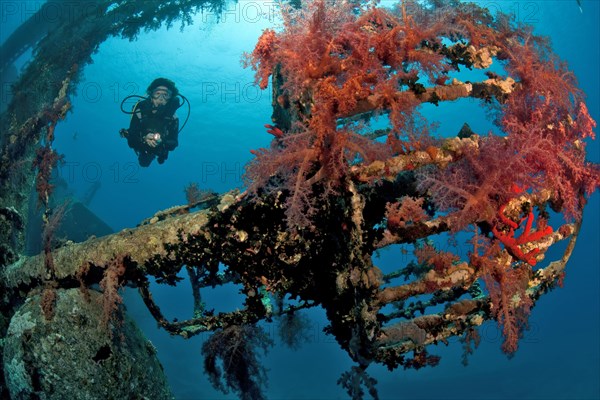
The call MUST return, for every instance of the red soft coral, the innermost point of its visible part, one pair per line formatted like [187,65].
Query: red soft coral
[300,160]
[261,59]
[334,58]
[512,243]
[506,285]
[554,150]
[404,213]
[541,152]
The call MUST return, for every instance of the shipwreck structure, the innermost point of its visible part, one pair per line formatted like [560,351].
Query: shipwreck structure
[319,202]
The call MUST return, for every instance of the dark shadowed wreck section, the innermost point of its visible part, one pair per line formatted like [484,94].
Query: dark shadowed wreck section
[69,357]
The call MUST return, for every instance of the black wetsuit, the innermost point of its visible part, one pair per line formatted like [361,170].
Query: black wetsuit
[147,119]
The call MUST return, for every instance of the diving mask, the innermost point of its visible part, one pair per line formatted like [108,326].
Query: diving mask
[161,92]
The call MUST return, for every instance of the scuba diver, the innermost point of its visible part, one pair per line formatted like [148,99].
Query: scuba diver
[154,127]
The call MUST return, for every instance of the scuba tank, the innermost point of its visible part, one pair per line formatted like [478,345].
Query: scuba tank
[142,98]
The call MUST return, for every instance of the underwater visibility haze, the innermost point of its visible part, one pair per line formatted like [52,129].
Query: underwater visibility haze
[367,200]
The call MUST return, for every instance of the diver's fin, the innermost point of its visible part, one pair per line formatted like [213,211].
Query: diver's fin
[579,4]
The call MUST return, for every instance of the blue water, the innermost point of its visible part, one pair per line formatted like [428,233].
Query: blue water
[559,357]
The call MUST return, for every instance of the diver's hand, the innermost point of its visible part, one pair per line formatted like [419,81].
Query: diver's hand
[152,139]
